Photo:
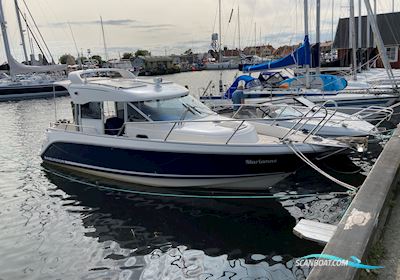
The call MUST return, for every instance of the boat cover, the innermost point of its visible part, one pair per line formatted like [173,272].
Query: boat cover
[323,81]
[300,56]
[246,78]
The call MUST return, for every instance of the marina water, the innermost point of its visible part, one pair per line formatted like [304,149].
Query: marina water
[56,227]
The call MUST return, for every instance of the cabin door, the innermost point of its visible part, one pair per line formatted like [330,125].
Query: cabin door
[92,117]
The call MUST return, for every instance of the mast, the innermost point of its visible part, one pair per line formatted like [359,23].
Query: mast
[239,27]
[221,86]
[353,40]
[368,45]
[220,32]
[306,35]
[255,38]
[332,39]
[40,34]
[104,39]
[318,38]
[21,31]
[4,33]
[375,15]
[30,41]
[380,44]
[76,46]
[359,35]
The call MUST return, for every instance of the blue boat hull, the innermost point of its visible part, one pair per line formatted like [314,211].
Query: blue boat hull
[182,168]
[11,93]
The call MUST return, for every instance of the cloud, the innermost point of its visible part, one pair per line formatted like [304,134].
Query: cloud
[152,26]
[113,22]
[128,23]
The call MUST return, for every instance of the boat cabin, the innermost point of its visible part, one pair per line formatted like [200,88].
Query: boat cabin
[111,101]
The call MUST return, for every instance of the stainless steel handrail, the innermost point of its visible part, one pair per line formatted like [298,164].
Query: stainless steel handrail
[331,116]
[293,128]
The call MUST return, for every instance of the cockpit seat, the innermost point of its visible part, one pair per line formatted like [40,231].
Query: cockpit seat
[113,125]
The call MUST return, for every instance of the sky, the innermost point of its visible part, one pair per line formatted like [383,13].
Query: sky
[170,26]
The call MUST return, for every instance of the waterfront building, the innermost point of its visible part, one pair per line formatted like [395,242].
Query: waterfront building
[387,24]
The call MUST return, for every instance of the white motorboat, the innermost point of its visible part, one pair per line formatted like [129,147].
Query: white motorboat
[303,115]
[152,132]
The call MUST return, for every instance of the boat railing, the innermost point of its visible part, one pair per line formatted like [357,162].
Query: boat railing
[312,112]
[328,114]
[207,91]
[66,126]
[239,124]
[332,112]
[375,113]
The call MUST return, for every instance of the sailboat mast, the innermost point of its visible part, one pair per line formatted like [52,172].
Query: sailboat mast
[380,44]
[21,31]
[353,40]
[359,35]
[239,27]
[332,39]
[255,34]
[4,32]
[76,46]
[220,32]
[368,45]
[104,40]
[318,37]
[306,35]
[30,41]
[376,18]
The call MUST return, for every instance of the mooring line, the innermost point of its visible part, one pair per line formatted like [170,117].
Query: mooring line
[319,170]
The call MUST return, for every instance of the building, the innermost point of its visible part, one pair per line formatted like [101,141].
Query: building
[262,51]
[120,64]
[285,50]
[388,25]
[155,65]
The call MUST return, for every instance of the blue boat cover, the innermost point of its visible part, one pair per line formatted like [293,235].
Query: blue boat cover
[246,78]
[329,82]
[301,56]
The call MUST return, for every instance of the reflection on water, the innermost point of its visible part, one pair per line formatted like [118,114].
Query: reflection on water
[53,228]
[169,238]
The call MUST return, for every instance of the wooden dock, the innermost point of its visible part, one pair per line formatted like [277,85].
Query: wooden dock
[314,231]
[363,222]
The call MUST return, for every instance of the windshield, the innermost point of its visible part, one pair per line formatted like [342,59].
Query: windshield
[183,108]
[284,111]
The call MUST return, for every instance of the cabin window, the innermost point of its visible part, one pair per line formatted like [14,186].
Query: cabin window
[392,54]
[186,108]
[134,115]
[120,108]
[110,109]
[91,110]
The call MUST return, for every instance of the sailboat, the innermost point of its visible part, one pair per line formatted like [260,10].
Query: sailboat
[24,81]
[223,63]
[349,96]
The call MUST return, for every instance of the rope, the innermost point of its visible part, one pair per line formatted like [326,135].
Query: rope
[319,170]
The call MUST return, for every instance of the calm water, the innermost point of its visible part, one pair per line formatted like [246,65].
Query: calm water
[55,228]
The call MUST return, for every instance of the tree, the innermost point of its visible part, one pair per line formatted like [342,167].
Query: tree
[127,55]
[142,53]
[98,58]
[188,52]
[67,59]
